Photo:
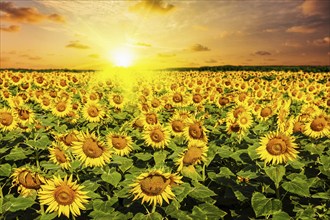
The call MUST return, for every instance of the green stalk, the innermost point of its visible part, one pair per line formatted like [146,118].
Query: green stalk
[277,192]
[153,208]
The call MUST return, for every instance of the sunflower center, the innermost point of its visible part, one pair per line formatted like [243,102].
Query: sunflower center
[15,79]
[177,125]
[93,96]
[238,111]
[276,146]
[93,111]
[69,139]
[195,131]
[151,119]
[155,103]
[64,195]
[318,124]
[61,106]
[23,114]
[192,155]
[28,181]
[157,135]
[197,98]
[117,99]
[223,101]
[154,185]
[119,142]
[243,120]
[235,128]
[177,97]
[60,156]
[265,112]
[298,127]
[6,118]
[92,149]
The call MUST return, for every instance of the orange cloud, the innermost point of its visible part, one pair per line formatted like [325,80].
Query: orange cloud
[77,45]
[262,53]
[11,13]
[11,28]
[301,29]
[198,48]
[322,42]
[152,5]
[315,7]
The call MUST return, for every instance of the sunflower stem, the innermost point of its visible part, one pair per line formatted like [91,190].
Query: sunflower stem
[277,192]
[42,209]
[153,208]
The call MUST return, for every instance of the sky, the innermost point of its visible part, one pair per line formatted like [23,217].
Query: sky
[155,34]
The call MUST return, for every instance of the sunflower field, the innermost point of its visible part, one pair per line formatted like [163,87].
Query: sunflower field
[164,145]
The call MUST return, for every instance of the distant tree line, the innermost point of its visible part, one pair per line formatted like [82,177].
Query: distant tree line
[309,69]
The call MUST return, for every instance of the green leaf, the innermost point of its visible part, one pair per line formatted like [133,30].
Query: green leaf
[20,203]
[276,174]
[315,148]
[112,178]
[104,206]
[252,152]
[18,154]
[198,213]
[225,172]
[48,216]
[263,206]
[225,151]
[159,157]
[143,156]
[200,191]
[296,164]
[281,216]
[175,212]
[212,212]
[181,191]
[49,165]
[297,186]
[5,169]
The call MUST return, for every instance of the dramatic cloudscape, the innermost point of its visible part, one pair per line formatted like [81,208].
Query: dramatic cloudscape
[163,33]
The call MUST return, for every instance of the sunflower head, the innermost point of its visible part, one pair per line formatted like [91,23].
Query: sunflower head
[277,148]
[156,136]
[63,196]
[120,143]
[155,186]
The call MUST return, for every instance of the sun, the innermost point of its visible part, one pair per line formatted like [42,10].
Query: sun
[122,57]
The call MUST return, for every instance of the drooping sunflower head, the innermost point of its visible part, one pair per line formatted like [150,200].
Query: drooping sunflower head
[177,125]
[8,119]
[59,155]
[27,180]
[68,138]
[155,186]
[194,154]
[195,130]
[318,126]
[90,150]
[121,143]
[277,148]
[156,136]
[63,196]
[93,111]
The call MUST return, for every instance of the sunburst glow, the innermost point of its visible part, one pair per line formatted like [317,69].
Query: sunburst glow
[122,57]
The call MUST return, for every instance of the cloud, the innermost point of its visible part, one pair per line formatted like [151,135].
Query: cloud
[29,57]
[94,55]
[226,34]
[262,53]
[198,48]
[271,30]
[321,42]
[315,8]
[301,29]
[291,43]
[158,6]
[11,13]
[166,55]
[77,45]
[141,44]
[211,61]
[11,28]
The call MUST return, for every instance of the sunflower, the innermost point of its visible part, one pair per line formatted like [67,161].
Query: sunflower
[93,111]
[177,126]
[154,187]
[120,143]
[277,148]
[156,136]
[245,120]
[150,118]
[45,102]
[156,104]
[195,130]
[68,138]
[318,126]
[8,119]
[63,196]
[265,112]
[58,154]
[90,150]
[61,108]
[193,155]
[27,180]
[116,100]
